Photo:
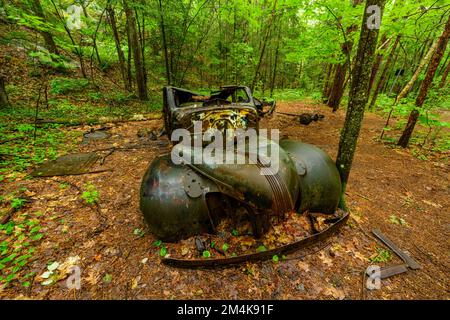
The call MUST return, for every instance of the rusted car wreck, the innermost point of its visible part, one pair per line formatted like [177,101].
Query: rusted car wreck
[186,199]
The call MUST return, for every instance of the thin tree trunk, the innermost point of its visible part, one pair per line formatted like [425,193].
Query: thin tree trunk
[416,74]
[444,76]
[48,38]
[141,34]
[263,46]
[135,47]
[376,65]
[444,64]
[164,41]
[329,83]
[275,63]
[326,84]
[382,79]
[120,55]
[426,85]
[338,88]
[357,97]
[3,95]
[129,57]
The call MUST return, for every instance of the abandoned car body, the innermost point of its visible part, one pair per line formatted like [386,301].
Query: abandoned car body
[182,200]
[230,107]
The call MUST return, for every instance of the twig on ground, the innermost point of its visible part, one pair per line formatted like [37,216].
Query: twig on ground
[107,155]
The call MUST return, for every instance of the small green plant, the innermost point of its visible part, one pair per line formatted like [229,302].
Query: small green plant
[95,96]
[275,259]
[206,254]
[163,251]
[382,256]
[63,185]
[234,232]
[17,203]
[225,247]
[90,194]
[138,232]
[261,249]
[107,278]
[157,243]
[396,220]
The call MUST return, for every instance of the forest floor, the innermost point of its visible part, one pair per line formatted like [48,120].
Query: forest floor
[389,189]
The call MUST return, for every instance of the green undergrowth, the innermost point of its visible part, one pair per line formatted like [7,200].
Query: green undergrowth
[22,147]
[18,240]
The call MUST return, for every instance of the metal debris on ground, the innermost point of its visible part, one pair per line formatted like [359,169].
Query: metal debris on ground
[389,271]
[94,135]
[69,164]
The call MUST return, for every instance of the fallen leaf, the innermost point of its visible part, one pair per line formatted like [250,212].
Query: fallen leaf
[184,251]
[135,282]
[325,259]
[53,266]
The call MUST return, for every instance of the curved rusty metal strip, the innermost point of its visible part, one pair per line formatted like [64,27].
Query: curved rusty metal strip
[259,256]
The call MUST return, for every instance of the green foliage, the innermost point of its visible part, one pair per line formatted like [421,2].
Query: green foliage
[17,203]
[288,95]
[206,254]
[382,256]
[57,62]
[23,151]
[163,251]
[90,194]
[436,135]
[225,247]
[157,243]
[14,35]
[66,85]
[261,249]
[18,239]
[107,278]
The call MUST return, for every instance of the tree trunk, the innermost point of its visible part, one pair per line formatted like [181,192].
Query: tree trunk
[141,36]
[444,64]
[337,89]
[444,76]
[376,65]
[426,85]
[416,74]
[263,47]
[274,73]
[129,56]
[326,84]
[3,96]
[275,63]
[357,97]
[164,41]
[382,79]
[135,48]
[120,55]
[48,38]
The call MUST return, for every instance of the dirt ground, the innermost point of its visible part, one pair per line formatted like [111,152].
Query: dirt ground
[118,263]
